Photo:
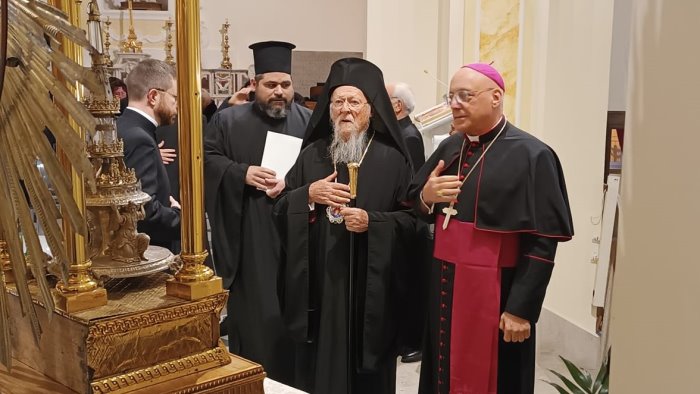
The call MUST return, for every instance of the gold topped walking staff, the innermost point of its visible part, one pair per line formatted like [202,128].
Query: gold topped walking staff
[353,168]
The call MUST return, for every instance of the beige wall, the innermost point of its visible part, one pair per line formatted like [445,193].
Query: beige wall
[572,75]
[306,23]
[312,25]
[619,59]
[400,36]
[656,316]
[402,39]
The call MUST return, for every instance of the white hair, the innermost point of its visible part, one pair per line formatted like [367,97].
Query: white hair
[404,93]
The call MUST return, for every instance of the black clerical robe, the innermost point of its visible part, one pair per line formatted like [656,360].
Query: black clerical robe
[244,242]
[314,279]
[496,255]
[414,142]
[421,248]
[169,136]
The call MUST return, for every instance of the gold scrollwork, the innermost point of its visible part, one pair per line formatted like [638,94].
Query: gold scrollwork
[164,371]
[139,321]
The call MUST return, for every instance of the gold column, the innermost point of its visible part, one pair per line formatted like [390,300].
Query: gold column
[81,292]
[194,280]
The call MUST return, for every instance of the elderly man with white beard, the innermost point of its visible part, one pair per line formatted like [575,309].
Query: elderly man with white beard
[346,330]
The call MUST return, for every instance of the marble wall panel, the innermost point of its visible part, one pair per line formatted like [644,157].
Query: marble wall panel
[498,43]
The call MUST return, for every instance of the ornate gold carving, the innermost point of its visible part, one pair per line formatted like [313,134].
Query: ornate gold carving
[193,269]
[226,61]
[169,42]
[131,44]
[79,279]
[211,385]
[135,322]
[108,57]
[5,263]
[163,372]
[97,107]
[128,245]
[113,233]
[116,204]
[106,149]
[156,259]
[151,345]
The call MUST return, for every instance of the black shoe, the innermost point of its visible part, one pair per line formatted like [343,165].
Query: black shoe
[411,356]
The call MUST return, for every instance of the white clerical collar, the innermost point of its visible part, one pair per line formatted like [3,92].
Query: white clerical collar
[145,115]
[475,138]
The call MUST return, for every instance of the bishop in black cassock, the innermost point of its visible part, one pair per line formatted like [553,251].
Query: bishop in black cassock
[239,199]
[347,347]
[498,200]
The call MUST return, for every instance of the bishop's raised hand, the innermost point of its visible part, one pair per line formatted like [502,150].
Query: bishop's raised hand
[441,188]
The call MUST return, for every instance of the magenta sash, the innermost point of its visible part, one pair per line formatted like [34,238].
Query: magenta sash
[478,256]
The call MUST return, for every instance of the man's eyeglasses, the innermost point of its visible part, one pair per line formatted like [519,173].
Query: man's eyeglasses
[353,104]
[464,96]
[165,91]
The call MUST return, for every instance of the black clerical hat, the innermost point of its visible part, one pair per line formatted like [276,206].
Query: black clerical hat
[367,77]
[272,56]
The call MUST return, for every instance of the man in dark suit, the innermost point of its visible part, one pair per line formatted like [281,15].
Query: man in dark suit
[152,102]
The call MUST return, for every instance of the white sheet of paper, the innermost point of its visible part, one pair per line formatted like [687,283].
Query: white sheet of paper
[280,153]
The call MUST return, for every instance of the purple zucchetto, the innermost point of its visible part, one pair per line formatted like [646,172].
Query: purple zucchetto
[489,71]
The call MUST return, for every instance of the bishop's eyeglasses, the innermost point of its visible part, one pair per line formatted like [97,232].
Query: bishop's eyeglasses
[464,96]
[353,103]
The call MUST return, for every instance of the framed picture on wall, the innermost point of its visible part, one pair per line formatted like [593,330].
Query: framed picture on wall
[143,5]
[138,5]
[143,10]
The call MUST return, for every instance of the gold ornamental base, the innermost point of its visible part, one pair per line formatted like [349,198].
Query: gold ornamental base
[141,341]
[75,302]
[9,276]
[157,259]
[194,290]
[240,376]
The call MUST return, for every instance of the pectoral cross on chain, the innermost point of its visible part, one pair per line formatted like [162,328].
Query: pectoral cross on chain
[449,212]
